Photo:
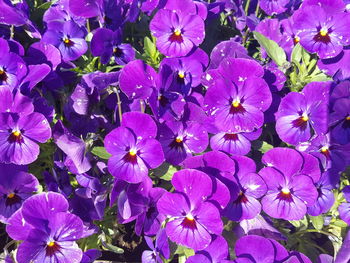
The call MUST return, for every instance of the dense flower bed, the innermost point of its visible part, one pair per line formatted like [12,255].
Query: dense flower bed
[174,131]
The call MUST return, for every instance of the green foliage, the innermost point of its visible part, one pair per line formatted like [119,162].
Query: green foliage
[317,221]
[261,146]
[304,69]
[273,50]
[151,55]
[101,152]
[165,171]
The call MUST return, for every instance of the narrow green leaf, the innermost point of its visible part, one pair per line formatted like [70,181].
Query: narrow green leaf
[273,50]
[101,152]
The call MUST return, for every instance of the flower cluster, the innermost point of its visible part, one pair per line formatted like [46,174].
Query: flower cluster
[174,131]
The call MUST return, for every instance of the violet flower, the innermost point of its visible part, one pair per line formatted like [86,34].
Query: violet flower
[192,219]
[177,32]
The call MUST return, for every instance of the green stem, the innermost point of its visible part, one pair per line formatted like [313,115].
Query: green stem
[316,231]
[88,25]
[257,8]
[247,7]
[119,103]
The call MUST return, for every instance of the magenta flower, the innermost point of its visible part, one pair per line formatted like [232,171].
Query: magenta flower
[322,31]
[238,96]
[177,32]
[47,229]
[192,219]
[302,114]
[133,147]
[290,184]
[16,185]
[19,136]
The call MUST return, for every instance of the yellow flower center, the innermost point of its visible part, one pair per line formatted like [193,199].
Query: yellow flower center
[1,72]
[132,152]
[50,244]
[305,117]
[177,32]
[11,195]
[190,217]
[66,41]
[348,118]
[323,32]
[181,75]
[285,191]
[296,39]
[16,133]
[235,103]
[178,139]
[324,149]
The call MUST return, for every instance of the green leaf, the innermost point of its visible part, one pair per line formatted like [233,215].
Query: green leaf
[296,53]
[261,146]
[187,252]
[149,47]
[273,50]
[317,222]
[101,152]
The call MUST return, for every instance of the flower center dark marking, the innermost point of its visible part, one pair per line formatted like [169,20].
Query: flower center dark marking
[176,36]
[163,101]
[12,199]
[189,222]
[131,157]
[325,151]
[346,123]
[181,77]
[51,248]
[296,40]
[301,122]
[67,42]
[117,52]
[177,143]
[285,195]
[3,76]
[236,107]
[322,36]
[241,198]
[231,137]
[15,136]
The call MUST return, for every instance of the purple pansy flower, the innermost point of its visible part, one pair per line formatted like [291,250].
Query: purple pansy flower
[272,7]
[216,252]
[251,188]
[150,220]
[238,96]
[290,185]
[47,229]
[344,208]
[179,141]
[340,121]
[253,248]
[234,143]
[321,31]
[177,32]
[331,155]
[16,185]
[133,147]
[106,44]
[19,136]
[132,199]
[68,38]
[325,198]
[12,67]
[137,80]
[302,114]
[192,219]
[159,249]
